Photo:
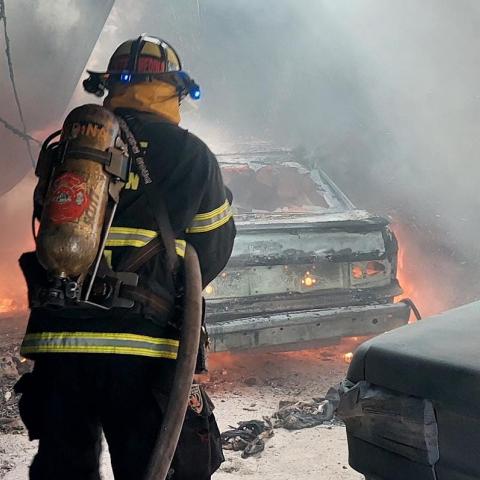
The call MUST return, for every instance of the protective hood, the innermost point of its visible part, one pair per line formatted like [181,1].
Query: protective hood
[155,97]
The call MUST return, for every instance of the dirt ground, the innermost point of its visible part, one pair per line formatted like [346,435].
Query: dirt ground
[243,387]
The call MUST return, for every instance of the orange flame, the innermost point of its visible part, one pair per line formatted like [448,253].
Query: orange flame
[418,275]
[12,304]
[15,239]
[7,305]
[347,357]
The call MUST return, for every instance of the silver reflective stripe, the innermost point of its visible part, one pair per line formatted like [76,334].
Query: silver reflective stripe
[205,222]
[112,343]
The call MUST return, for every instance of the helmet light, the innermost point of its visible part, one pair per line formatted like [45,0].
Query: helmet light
[195,92]
[125,77]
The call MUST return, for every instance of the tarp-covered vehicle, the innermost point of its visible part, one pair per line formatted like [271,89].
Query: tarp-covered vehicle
[307,266]
[411,400]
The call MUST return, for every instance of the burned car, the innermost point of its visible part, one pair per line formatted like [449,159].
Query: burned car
[307,266]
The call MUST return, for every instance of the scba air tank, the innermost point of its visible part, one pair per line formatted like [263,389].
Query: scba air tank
[76,200]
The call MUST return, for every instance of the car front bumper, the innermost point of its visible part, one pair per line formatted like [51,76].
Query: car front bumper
[306,326]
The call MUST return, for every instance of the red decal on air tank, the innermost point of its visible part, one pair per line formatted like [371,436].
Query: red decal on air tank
[69,198]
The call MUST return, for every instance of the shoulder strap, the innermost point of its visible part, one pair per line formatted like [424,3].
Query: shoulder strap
[133,130]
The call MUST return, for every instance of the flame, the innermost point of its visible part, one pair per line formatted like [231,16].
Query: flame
[13,304]
[418,273]
[357,272]
[16,238]
[402,275]
[13,291]
[7,305]
[234,367]
[347,357]
[13,294]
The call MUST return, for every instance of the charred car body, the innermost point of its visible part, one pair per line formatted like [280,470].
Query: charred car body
[307,266]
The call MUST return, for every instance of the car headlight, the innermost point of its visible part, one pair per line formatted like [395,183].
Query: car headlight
[373,272]
[309,280]
[209,290]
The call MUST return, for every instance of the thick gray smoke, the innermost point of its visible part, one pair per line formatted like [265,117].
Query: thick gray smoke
[47,45]
[385,95]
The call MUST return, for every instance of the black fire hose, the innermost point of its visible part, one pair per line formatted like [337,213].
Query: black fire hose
[415,310]
[186,360]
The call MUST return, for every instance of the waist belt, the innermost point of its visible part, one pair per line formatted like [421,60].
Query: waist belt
[148,299]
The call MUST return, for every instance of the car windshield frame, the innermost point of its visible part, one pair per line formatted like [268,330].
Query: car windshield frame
[256,164]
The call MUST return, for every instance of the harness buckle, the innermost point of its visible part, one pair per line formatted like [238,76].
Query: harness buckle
[106,291]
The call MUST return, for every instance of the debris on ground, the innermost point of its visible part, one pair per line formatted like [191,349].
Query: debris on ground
[303,376]
[293,415]
[9,417]
[12,367]
[5,467]
[297,415]
[249,437]
[250,381]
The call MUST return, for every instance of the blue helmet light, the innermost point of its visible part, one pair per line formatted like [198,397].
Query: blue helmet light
[195,92]
[187,85]
[126,77]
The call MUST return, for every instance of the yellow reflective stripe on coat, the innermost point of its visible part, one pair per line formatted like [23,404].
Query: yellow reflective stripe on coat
[129,237]
[180,247]
[205,222]
[109,343]
[108,257]
[137,237]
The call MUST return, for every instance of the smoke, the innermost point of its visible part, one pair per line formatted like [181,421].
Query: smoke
[16,238]
[384,95]
[264,71]
[418,70]
[49,43]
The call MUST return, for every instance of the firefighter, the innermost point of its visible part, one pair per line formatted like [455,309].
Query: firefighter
[111,370]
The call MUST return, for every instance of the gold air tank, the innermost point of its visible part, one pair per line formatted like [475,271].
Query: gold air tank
[75,204]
